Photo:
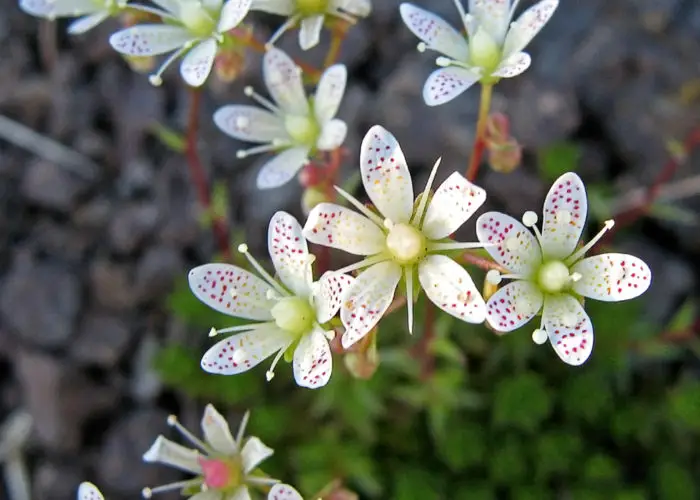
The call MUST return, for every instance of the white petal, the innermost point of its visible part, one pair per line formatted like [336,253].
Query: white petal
[385,175]
[329,92]
[513,305]
[283,492]
[197,64]
[565,210]
[212,5]
[248,123]
[86,23]
[494,16]
[513,66]
[612,277]
[206,495]
[528,25]
[518,250]
[454,202]
[435,32]
[313,361]
[332,135]
[231,290]
[39,8]
[59,8]
[358,8]
[310,31]
[254,452]
[241,493]
[232,13]
[167,452]
[149,39]
[88,491]
[283,81]
[172,6]
[279,7]
[367,300]
[445,84]
[342,228]
[217,433]
[282,168]
[330,293]
[289,253]
[243,351]
[569,328]
[449,286]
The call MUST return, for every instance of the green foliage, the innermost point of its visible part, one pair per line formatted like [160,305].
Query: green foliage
[557,159]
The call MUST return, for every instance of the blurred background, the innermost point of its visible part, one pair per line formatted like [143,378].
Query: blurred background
[100,338]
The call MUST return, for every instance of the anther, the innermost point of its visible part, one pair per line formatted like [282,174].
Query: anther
[269,375]
[494,277]
[529,218]
[146,493]
[213,332]
[422,47]
[443,61]
[539,336]
[243,248]
[155,80]
[249,91]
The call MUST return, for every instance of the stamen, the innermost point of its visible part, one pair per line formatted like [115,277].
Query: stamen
[422,47]
[156,78]
[539,336]
[261,481]
[494,277]
[241,429]
[151,10]
[439,247]
[422,206]
[388,224]
[149,492]
[342,15]
[271,372]
[408,273]
[512,277]
[281,30]
[369,261]
[266,103]
[444,62]
[512,8]
[243,248]
[462,12]
[609,224]
[244,153]
[530,220]
[173,422]
[359,206]
[242,328]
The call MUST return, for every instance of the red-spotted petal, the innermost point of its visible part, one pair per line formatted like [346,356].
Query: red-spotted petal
[367,300]
[449,286]
[329,92]
[231,290]
[197,64]
[289,253]
[517,248]
[338,227]
[435,32]
[513,305]
[88,491]
[494,16]
[283,80]
[248,123]
[332,135]
[330,293]
[84,24]
[243,351]
[283,492]
[282,167]
[445,84]
[59,8]
[232,13]
[313,361]
[385,175]
[569,328]
[149,39]
[454,202]
[612,277]
[528,25]
[565,210]
[513,66]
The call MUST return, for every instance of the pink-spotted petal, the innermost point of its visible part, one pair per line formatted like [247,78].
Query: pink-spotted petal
[59,8]
[445,84]
[338,227]
[283,80]
[283,492]
[248,123]
[329,294]
[527,26]
[231,290]
[367,300]
[332,135]
[84,24]
[329,92]
[435,32]
[232,13]
[449,286]
[217,433]
[564,212]
[513,66]
[513,305]
[289,253]
[282,168]
[313,361]
[517,248]
[310,31]
[88,491]
[568,327]
[385,175]
[494,16]
[149,39]
[197,64]
[454,202]
[612,277]
[243,351]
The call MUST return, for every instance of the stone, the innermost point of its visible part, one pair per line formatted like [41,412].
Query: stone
[131,226]
[145,383]
[55,480]
[60,241]
[159,266]
[111,285]
[40,301]
[52,187]
[93,215]
[136,179]
[102,339]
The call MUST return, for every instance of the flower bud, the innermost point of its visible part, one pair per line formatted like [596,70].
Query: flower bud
[497,127]
[311,197]
[506,156]
[363,361]
[311,175]
[229,64]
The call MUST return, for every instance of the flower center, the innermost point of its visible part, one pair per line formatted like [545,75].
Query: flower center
[221,474]
[197,19]
[310,7]
[553,276]
[302,129]
[294,315]
[405,244]
[484,51]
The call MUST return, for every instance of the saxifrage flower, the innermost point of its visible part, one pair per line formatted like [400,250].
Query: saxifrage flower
[90,12]
[283,492]
[88,491]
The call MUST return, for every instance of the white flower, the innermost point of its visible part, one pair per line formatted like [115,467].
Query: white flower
[91,12]
[551,274]
[194,27]
[406,238]
[311,14]
[283,492]
[292,125]
[291,312]
[223,465]
[492,50]
[88,491]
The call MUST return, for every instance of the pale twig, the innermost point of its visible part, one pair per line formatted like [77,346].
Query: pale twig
[13,436]
[678,190]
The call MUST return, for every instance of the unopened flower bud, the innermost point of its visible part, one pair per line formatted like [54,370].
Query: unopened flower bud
[311,175]
[497,127]
[229,64]
[363,361]
[506,156]
[311,197]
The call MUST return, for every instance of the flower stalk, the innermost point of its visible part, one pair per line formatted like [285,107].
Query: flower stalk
[480,138]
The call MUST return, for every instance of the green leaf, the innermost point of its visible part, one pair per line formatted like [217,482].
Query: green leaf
[684,405]
[674,482]
[508,462]
[601,469]
[173,140]
[521,402]
[463,445]
[557,159]
[673,213]
[413,483]
[587,396]
[555,454]
[684,318]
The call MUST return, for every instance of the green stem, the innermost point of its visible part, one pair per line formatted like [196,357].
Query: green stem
[479,142]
